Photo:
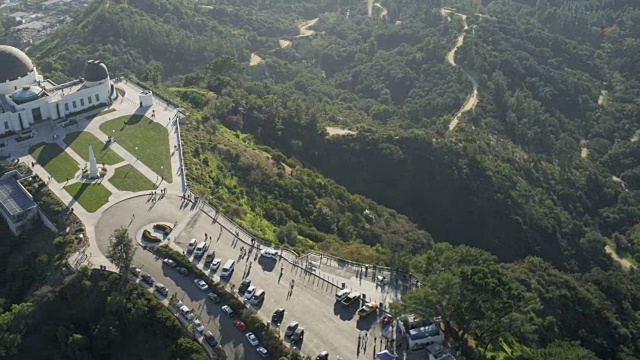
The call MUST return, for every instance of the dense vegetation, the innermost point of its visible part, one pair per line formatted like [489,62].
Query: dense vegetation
[49,311]
[543,174]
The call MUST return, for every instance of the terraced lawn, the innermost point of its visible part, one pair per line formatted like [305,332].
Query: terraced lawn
[80,141]
[144,139]
[60,165]
[91,196]
[127,178]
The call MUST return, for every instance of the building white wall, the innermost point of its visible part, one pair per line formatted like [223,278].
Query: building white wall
[48,107]
[11,86]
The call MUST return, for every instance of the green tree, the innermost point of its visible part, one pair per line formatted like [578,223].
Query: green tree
[121,250]
[12,326]
[287,234]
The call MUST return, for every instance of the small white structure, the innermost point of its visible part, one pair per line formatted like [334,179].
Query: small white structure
[146,98]
[93,167]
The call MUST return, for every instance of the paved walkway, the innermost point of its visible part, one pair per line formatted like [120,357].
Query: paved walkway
[54,132]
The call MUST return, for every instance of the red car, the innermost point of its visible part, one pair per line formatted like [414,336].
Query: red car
[240,325]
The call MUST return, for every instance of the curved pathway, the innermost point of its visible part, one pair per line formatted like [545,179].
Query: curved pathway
[473,98]
[304,28]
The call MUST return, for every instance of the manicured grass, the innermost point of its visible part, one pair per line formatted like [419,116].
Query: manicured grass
[144,139]
[127,178]
[60,165]
[91,196]
[80,141]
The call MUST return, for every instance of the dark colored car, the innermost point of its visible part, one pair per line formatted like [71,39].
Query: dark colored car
[298,335]
[213,298]
[183,271]
[147,278]
[291,329]
[244,285]
[210,339]
[323,356]
[277,317]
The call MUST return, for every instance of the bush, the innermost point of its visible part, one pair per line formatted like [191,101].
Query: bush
[166,229]
[146,236]
[268,336]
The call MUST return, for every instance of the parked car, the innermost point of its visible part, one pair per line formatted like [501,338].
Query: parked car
[213,297]
[197,324]
[269,253]
[209,258]
[244,285]
[169,262]
[227,310]
[184,311]
[215,264]
[161,289]
[342,294]
[367,309]
[249,293]
[240,325]
[200,249]
[191,245]
[253,340]
[135,271]
[323,356]
[263,352]
[147,278]
[201,284]
[210,339]
[297,335]
[183,271]
[277,316]
[291,328]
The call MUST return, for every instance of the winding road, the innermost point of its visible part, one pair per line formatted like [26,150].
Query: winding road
[473,98]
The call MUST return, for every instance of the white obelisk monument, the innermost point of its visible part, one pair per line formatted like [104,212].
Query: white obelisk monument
[93,167]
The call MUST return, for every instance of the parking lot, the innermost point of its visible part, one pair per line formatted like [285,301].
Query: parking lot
[311,301]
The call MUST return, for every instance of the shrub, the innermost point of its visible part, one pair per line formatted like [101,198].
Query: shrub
[146,235]
[166,229]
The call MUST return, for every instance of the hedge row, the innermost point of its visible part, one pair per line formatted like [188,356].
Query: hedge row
[268,336]
[166,229]
[146,235]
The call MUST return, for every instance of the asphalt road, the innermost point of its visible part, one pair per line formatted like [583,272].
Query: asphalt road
[328,326]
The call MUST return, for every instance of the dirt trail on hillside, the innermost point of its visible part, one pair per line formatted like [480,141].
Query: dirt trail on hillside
[304,28]
[626,264]
[384,12]
[370,8]
[337,131]
[284,43]
[473,97]
[255,60]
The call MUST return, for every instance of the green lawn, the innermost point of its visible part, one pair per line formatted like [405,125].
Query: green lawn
[144,139]
[80,141]
[91,196]
[127,178]
[52,157]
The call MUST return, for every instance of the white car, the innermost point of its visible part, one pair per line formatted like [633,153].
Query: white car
[249,293]
[170,262]
[215,264]
[201,284]
[161,289]
[186,312]
[269,253]
[253,340]
[227,310]
[263,352]
[192,245]
[198,325]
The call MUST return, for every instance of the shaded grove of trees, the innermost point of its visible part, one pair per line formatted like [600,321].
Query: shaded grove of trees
[97,315]
[525,308]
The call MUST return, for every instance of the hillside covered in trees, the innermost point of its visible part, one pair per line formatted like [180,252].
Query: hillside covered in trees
[535,184]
